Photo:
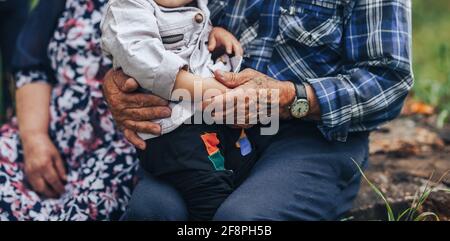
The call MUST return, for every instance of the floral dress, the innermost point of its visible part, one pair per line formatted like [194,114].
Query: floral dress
[101,165]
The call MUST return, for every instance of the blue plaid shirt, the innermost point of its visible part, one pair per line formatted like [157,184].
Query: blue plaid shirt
[356,54]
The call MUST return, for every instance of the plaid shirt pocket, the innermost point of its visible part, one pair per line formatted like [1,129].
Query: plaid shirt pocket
[314,23]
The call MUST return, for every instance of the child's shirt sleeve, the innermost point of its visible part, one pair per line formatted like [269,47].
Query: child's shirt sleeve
[131,36]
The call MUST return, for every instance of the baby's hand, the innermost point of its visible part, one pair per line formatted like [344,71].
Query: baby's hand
[220,37]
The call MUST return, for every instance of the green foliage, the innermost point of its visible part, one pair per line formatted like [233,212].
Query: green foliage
[431,50]
[33,3]
[413,213]
[2,108]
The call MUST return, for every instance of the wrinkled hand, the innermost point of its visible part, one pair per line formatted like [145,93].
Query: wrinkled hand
[221,38]
[247,83]
[132,111]
[44,167]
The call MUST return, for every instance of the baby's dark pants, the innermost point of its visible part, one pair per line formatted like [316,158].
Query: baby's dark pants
[181,159]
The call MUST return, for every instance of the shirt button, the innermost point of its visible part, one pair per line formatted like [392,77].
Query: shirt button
[199,18]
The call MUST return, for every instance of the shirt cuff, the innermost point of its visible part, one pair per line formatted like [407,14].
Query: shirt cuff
[335,103]
[31,76]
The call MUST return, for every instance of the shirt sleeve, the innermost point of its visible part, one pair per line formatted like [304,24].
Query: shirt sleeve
[30,62]
[217,9]
[25,77]
[131,36]
[377,75]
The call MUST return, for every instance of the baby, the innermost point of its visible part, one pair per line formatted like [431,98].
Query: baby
[163,44]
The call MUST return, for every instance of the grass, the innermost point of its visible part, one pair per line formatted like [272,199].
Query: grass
[413,213]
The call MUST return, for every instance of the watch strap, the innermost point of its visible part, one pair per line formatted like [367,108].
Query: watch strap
[300,90]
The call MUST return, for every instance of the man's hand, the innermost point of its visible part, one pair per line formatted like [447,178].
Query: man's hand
[245,84]
[44,167]
[132,111]
[221,38]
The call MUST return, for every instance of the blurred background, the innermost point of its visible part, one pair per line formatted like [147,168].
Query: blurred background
[431,49]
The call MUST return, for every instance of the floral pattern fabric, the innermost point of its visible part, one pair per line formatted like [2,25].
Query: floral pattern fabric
[101,165]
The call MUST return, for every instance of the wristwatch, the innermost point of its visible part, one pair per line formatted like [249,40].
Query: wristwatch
[300,107]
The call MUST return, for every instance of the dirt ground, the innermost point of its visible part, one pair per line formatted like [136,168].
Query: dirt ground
[404,154]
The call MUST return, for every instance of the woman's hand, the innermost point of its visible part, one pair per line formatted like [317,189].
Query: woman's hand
[44,167]
[221,38]
[132,111]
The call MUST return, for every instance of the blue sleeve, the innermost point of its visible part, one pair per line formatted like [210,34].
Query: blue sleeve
[30,62]
[377,75]
[217,9]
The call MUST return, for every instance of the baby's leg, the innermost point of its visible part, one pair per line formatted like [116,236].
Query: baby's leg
[203,191]
[191,158]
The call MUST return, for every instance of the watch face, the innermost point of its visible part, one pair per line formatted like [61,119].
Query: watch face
[300,108]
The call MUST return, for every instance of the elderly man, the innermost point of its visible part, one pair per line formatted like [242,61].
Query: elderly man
[341,68]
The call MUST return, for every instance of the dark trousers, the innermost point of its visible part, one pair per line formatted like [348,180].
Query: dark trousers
[298,175]
[204,177]
[13,14]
